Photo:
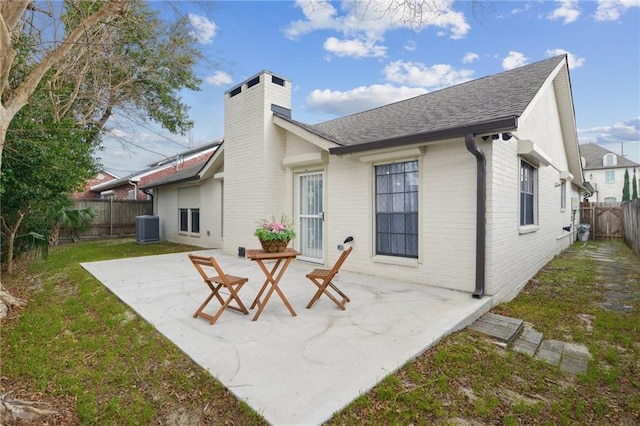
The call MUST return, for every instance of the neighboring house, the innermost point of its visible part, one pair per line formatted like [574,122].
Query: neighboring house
[102,177]
[129,187]
[472,188]
[605,170]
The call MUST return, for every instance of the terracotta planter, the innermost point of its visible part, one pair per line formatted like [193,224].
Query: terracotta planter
[274,246]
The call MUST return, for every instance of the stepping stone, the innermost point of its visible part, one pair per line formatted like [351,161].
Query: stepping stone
[575,358]
[528,342]
[550,351]
[501,328]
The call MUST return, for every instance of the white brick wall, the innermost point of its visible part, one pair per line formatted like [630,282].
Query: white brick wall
[166,207]
[514,257]
[254,181]
[449,216]
[447,234]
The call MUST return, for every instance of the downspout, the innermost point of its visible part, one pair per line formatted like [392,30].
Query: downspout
[135,189]
[150,194]
[481,213]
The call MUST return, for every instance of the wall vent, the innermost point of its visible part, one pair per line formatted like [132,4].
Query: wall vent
[147,229]
[277,80]
[235,91]
[253,82]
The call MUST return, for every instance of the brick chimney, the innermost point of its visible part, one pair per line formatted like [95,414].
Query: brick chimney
[255,184]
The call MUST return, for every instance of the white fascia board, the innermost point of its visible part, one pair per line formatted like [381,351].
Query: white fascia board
[303,133]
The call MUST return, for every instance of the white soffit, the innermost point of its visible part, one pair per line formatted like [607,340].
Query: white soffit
[532,153]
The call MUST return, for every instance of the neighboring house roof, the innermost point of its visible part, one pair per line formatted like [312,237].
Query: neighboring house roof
[593,154]
[186,153]
[485,104]
[186,174]
[100,178]
[159,166]
[192,173]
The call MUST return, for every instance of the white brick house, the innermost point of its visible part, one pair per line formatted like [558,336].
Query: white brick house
[470,188]
[605,171]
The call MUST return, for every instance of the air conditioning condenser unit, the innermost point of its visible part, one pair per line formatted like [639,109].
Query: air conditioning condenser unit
[147,229]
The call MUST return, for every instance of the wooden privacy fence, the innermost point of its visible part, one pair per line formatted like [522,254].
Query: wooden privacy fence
[604,219]
[113,217]
[631,217]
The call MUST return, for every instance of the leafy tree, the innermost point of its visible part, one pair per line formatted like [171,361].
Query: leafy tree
[96,55]
[17,88]
[44,160]
[634,186]
[141,66]
[625,188]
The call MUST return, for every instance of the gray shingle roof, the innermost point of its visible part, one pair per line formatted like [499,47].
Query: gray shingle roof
[186,174]
[483,100]
[593,154]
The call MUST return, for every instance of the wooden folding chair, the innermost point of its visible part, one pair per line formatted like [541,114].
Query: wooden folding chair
[323,279]
[217,283]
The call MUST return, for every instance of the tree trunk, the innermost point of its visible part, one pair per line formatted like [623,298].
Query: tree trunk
[11,232]
[12,410]
[7,301]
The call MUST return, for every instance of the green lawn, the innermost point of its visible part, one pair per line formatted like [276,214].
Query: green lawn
[79,349]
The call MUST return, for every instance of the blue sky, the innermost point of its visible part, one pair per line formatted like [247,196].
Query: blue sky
[342,61]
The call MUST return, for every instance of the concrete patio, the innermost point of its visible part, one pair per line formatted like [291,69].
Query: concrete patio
[292,370]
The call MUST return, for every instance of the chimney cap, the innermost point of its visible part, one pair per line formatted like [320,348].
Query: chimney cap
[263,72]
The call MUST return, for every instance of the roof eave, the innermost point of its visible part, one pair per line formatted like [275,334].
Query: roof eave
[487,127]
[172,182]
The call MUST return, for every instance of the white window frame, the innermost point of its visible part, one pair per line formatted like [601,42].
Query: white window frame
[563,195]
[408,252]
[609,160]
[190,222]
[189,203]
[531,192]
[610,176]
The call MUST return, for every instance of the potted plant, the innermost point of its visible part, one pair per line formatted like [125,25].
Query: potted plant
[274,235]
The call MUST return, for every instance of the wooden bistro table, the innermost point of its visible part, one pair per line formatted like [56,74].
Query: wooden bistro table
[283,259]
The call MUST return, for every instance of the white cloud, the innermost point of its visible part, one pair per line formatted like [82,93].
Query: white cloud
[411,46]
[522,9]
[610,10]
[417,74]
[454,21]
[219,78]
[574,61]
[568,11]
[204,29]
[469,57]
[373,18]
[514,60]
[319,14]
[341,103]
[354,48]
[628,131]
